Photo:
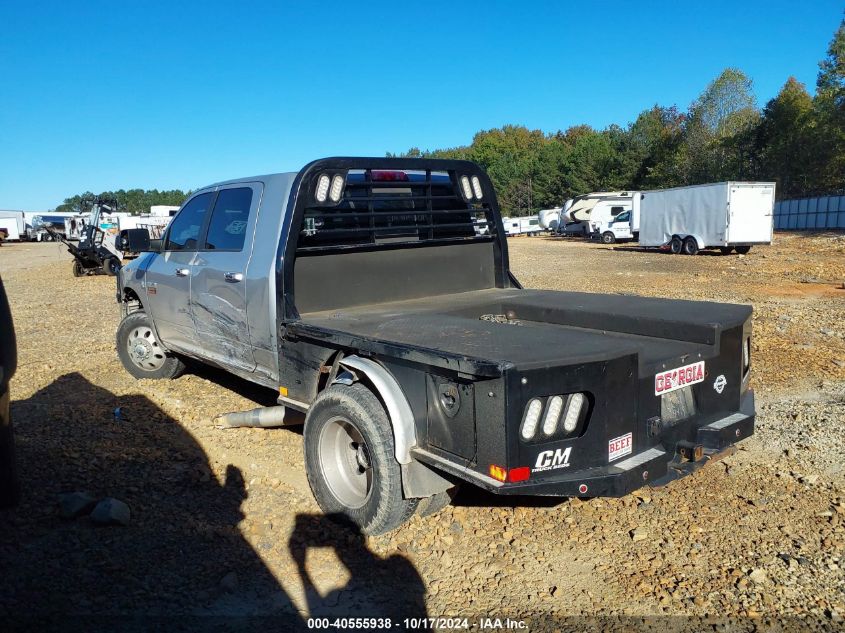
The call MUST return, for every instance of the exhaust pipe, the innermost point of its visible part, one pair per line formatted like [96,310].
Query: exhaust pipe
[262,418]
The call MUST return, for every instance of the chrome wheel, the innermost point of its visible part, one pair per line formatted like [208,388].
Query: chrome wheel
[345,462]
[144,350]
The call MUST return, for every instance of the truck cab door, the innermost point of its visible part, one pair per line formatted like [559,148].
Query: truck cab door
[168,276]
[219,282]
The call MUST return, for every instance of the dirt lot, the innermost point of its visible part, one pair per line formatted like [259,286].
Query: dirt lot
[223,522]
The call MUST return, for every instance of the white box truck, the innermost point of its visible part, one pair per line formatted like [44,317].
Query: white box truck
[726,215]
[616,221]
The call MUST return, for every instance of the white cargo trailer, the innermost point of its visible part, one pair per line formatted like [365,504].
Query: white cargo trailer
[14,223]
[725,215]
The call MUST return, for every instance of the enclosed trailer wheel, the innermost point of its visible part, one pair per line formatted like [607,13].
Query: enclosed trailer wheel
[726,250]
[608,238]
[350,460]
[676,245]
[690,246]
[141,353]
[742,250]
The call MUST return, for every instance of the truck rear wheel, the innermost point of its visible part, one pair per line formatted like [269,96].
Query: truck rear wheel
[350,460]
[742,250]
[690,246]
[676,245]
[608,238]
[140,352]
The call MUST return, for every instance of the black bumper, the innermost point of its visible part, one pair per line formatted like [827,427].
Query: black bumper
[654,466]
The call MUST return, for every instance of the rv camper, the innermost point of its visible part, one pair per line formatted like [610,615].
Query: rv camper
[576,213]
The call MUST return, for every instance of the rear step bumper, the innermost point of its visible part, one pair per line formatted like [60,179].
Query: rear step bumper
[656,466]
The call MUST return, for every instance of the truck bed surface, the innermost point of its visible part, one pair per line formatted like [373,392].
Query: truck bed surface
[535,328]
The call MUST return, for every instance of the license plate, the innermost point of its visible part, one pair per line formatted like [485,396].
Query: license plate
[674,379]
[677,405]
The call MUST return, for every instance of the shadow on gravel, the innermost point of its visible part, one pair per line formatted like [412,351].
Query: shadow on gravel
[181,561]
[660,251]
[378,587]
[473,497]
[262,396]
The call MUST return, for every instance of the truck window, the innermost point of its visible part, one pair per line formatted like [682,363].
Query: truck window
[185,227]
[623,217]
[227,228]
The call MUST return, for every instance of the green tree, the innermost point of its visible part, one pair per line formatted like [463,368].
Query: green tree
[829,114]
[725,110]
[784,142]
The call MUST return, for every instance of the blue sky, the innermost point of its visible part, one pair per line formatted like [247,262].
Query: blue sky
[109,95]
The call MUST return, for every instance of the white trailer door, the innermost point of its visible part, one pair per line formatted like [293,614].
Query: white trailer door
[11,226]
[750,216]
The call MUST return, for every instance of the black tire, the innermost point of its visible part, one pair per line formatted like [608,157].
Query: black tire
[726,250]
[742,250]
[435,503]
[608,238]
[676,245]
[690,246]
[350,460]
[150,360]
[111,266]
[78,270]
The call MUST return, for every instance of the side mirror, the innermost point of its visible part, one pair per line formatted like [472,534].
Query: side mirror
[135,240]
[156,246]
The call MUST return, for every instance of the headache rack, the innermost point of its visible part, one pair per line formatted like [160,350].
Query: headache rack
[386,207]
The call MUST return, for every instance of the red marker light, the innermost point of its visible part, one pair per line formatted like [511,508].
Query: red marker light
[519,474]
[582,488]
[384,175]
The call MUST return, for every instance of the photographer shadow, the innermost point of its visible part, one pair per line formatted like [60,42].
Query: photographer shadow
[181,557]
[377,587]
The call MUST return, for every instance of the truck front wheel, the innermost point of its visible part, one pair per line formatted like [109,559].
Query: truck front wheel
[140,352]
[608,238]
[350,460]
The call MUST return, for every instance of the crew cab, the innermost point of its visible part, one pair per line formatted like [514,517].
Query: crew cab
[375,295]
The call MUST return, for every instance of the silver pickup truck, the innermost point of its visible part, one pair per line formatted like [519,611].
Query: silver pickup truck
[375,296]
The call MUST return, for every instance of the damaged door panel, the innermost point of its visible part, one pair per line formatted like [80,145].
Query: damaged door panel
[218,286]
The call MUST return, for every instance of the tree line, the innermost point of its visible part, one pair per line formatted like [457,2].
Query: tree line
[134,201]
[796,139]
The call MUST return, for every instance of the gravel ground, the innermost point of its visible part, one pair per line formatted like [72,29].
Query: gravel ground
[223,522]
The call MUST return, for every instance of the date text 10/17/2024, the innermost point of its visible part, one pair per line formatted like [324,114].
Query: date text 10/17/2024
[486,624]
